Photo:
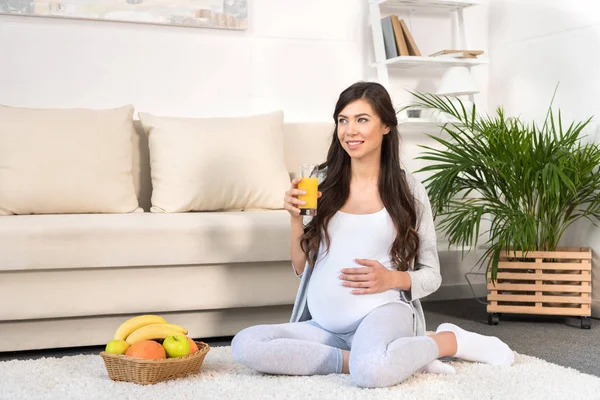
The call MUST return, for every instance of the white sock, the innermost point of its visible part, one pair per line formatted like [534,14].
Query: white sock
[438,367]
[472,346]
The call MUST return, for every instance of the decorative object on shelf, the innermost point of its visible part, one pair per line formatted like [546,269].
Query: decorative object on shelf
[410,113]
[457,53]
[457,81]
[220,14]
[415,113]
[530,182]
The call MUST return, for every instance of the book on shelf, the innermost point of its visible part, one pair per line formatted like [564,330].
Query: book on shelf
[413,50]
[399,36]
[457,53]
[389,41]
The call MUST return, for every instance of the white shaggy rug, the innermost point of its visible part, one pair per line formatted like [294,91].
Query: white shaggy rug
[84,377]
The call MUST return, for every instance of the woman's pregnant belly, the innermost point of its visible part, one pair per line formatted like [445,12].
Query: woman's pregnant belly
[334,307]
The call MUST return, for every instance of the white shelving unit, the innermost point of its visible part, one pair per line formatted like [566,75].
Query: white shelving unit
[430,62]
[418,125]
[436,4]
[382,64]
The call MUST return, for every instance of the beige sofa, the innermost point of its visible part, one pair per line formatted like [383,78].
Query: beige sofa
[70,279]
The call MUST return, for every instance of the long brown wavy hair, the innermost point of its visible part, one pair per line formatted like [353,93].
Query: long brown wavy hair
[392,183]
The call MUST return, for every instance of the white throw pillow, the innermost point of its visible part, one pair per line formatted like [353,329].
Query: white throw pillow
[66,161]
[211,164]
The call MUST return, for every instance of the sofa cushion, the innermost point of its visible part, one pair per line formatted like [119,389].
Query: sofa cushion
[210,164]
[66,161]
[303,142]
[143,239]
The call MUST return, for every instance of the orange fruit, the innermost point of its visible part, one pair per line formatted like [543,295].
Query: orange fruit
[193,346]
[147,349]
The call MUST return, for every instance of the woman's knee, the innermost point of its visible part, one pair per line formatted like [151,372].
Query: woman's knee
[365,375]
[243,343]
[372,372]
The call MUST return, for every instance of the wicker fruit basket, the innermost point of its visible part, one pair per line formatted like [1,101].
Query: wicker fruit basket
[147,372]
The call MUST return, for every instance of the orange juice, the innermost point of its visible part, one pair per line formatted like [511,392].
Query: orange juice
[311,187]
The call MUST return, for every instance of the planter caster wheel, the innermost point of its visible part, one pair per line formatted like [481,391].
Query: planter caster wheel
[586,323]
[494,319]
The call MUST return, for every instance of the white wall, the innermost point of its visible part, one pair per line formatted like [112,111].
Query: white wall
[535,45]
[296,56]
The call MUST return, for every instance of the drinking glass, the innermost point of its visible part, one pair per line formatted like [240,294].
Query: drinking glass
[310,184]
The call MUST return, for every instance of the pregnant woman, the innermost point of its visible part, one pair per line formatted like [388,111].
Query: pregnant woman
[365,260]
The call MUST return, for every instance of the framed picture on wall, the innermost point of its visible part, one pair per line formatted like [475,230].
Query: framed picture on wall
[219,14]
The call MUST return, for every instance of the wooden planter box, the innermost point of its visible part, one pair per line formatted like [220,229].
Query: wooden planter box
[544,283]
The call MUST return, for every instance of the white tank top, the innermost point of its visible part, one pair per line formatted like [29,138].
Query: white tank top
[365,236]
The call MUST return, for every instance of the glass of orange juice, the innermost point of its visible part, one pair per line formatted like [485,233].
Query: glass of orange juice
[310,184]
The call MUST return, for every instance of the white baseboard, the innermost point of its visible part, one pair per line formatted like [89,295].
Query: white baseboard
[455,291]
[94,330]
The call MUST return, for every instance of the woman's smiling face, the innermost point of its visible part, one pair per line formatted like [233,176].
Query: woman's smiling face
[360,129]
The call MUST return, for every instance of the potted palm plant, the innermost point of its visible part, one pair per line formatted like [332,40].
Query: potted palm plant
[528,183]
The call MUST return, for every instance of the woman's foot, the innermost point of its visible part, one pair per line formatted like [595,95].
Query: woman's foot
[438,367]
[472,346]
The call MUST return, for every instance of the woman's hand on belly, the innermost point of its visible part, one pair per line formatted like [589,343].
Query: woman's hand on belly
[372,278]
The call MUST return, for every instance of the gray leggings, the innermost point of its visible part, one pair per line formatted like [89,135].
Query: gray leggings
[384,351]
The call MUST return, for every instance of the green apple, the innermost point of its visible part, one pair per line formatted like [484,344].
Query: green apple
[176,346]
[117,347]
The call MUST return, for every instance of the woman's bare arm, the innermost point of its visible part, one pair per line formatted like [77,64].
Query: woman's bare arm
[297,255]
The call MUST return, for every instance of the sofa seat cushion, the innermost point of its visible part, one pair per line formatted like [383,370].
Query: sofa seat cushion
[31,242]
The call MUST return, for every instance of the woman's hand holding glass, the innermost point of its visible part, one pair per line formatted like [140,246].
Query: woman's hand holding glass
[291,202]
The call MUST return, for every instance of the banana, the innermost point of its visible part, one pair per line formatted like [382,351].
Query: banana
[135,323]
[154,331]
[180,328]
